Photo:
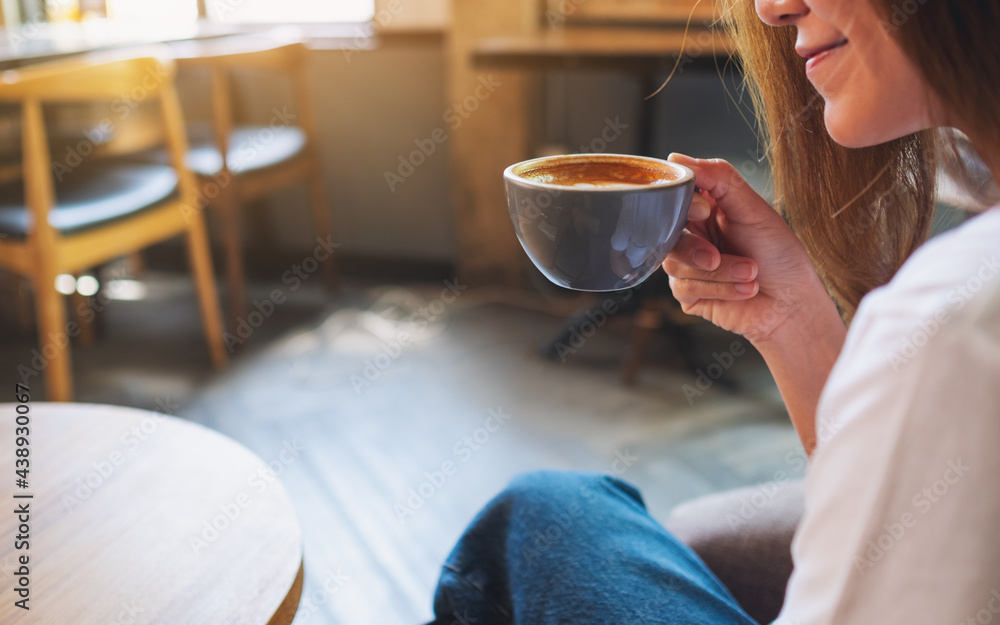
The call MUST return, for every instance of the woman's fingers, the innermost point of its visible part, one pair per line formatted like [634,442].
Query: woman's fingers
[697,259]
[728,269]
[726,186]
[701,208]
[692,250]
[689,292]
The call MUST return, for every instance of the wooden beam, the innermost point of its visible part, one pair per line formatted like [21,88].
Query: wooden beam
[490,132]
[661,12]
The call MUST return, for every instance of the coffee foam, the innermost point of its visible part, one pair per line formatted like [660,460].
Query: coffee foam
[601,175]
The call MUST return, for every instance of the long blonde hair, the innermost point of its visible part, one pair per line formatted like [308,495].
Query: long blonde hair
[859,212]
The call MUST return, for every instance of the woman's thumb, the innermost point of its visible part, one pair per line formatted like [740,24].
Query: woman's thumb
[723,183]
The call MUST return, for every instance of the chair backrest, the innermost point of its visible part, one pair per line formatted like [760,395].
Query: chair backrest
[121,94]
[124,84]
[224,57]
[265,56]
[83,80]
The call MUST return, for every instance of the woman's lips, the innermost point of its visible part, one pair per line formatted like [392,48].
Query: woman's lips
[817,56]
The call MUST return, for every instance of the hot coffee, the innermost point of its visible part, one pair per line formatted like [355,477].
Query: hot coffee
[602,184]
[598,222]
[612,173]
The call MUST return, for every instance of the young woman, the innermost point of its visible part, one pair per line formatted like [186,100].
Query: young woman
[900,413]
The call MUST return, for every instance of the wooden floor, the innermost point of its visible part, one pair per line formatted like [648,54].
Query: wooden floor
[364,454]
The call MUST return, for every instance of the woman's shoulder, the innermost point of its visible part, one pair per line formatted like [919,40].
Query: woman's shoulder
[908,428]
[935,326]
[955,275]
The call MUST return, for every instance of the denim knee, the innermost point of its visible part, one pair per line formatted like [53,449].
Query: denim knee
[562,489]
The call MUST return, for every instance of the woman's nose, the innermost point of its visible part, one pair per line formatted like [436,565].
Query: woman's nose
[781,12]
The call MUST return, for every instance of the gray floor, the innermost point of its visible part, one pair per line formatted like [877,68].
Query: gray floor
[365,444]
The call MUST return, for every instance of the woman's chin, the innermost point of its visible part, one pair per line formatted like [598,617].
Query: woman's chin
[846,133]
[860,131]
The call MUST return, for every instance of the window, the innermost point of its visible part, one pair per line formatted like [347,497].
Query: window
[173,12]
[289,10]
[158,13]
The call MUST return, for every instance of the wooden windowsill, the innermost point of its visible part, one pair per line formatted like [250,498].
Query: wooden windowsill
[46,42]
[593,46]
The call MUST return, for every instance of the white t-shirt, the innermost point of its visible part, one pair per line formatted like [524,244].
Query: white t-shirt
[902,521]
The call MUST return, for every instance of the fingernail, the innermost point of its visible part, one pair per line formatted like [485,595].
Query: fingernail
[704,260]
[677,156]
[700,208]
[741,271]
[746,288]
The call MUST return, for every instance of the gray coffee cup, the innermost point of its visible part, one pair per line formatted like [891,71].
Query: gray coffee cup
[598,222]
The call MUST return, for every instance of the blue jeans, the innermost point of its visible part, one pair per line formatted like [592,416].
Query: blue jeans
[576,549]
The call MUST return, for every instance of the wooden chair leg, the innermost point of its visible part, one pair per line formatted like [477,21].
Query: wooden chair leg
[208,297]
[53,342]
[25,318]
[231,240]
[136,264]
[78,304]
[646,321]
[324,228]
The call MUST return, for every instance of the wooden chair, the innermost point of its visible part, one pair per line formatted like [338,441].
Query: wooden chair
[237,164]
[660,312]
[106,207]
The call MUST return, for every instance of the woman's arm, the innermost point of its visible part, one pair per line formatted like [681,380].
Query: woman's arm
[739,265]
[801,355]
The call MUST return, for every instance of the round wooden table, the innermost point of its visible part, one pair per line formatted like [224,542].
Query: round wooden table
[137,517]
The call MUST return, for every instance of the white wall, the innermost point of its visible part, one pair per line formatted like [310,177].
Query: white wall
[415,13]
[371,107]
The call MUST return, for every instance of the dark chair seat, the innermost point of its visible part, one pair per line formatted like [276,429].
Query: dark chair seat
[251,148]
[91,195]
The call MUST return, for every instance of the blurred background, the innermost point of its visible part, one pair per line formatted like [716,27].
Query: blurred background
[386,346]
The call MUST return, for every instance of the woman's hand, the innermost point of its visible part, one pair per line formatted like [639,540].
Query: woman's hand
[738,264]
